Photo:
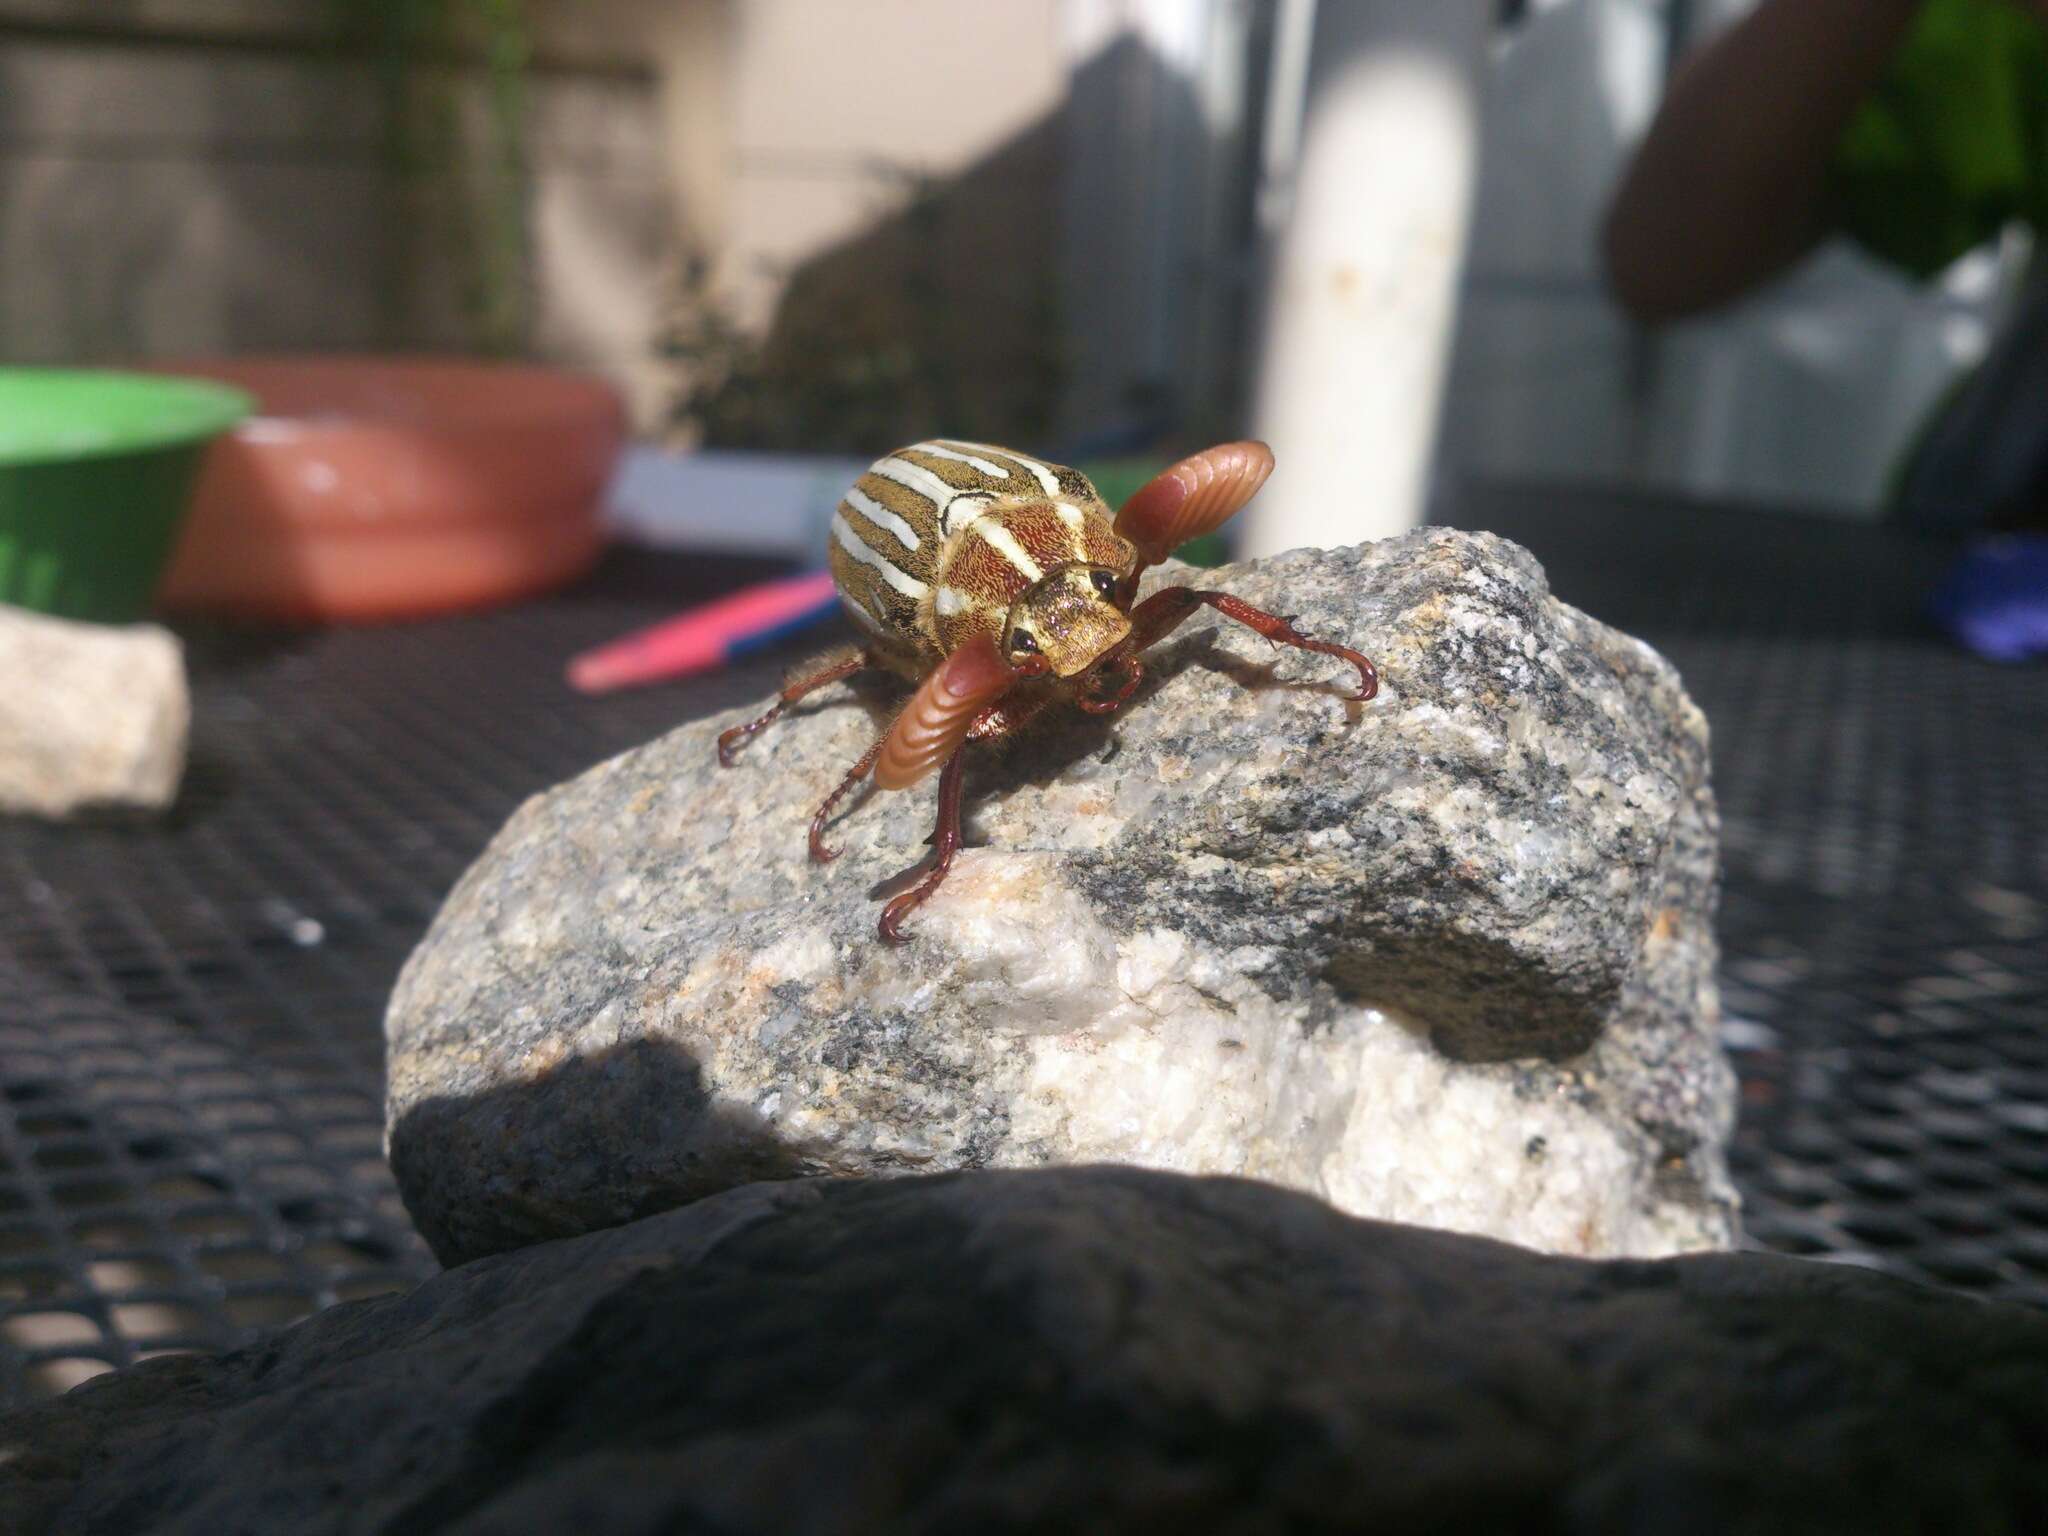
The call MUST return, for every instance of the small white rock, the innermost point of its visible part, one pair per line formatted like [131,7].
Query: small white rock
[90,715]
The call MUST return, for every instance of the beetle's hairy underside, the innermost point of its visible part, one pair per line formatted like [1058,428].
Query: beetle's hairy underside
[1001,586]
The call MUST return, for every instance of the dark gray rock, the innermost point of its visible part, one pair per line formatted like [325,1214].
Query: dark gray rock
[1446,958]
[1068,1350]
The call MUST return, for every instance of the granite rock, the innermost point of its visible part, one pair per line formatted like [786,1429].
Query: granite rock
[1067,1350]
[1444,958]
[91,715]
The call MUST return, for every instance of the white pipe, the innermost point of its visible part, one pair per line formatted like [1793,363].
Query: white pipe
[1360,306]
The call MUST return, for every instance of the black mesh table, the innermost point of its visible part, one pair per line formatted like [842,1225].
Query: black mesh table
[190,1009]
[1884,919]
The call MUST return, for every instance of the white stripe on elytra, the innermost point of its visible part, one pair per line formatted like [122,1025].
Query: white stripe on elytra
[1044,475]
[915,477]
[1047,480]
[952,601]
[850,541]
[965,508]
[1004,543]
[988,467]
[1070,515]
[881,517]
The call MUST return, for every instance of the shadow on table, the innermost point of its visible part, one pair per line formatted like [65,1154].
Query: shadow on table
[1660,565]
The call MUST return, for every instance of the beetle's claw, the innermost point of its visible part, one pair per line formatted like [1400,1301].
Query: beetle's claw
[891,925]
[1368,674]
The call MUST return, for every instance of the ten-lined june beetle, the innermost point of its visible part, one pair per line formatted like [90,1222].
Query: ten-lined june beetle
[1000,585]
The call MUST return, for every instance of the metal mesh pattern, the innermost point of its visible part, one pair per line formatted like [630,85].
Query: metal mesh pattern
[1884,920]
[191,1056]
[190,1047]
[1886,958]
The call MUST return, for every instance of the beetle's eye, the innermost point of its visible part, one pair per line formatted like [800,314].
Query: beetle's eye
[1023,642]
[1105,584]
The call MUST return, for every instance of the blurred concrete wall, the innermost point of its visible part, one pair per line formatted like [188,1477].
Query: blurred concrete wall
[835,113]
[202,176]
[1068,179]
[198,176]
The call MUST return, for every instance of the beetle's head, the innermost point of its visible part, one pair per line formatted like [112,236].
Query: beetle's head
[1070,617]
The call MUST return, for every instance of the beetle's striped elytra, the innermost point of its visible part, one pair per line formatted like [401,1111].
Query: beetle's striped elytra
[939,542]
[1001,584]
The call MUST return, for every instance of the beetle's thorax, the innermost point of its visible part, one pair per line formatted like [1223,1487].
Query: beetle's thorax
[941,541]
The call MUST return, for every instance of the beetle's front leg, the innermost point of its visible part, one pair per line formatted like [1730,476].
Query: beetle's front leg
[959,698]
[820,854]
[1162,612]
[945,844]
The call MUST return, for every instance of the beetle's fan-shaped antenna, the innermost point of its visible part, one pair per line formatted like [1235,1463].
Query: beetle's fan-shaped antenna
[1196,496]
[935,722]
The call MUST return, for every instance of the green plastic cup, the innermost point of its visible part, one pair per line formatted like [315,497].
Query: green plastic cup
[95,473]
